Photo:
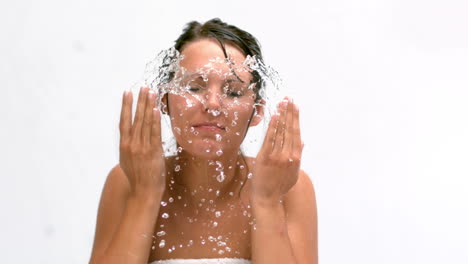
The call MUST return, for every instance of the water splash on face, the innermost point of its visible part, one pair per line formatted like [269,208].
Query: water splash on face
[165,74]
[237,95]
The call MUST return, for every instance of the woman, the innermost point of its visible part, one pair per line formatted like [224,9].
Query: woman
[209,202]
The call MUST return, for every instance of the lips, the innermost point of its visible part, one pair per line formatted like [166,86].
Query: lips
[210,126]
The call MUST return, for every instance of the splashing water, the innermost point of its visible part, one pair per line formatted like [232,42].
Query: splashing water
[165,75]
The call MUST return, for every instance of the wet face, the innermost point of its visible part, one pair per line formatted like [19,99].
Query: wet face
[214,103]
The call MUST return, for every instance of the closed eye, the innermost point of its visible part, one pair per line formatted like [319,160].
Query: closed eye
[234,93]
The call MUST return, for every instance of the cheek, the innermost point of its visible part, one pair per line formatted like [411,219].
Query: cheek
[239,117]
[180,106]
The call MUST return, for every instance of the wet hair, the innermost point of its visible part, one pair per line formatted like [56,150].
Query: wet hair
[224,33]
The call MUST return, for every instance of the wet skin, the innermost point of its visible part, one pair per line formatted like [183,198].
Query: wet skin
[196,124]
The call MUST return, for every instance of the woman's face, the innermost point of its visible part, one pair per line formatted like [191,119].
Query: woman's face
[213,100]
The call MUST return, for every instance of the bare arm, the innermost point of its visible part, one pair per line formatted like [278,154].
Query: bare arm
[284,232]
[287,233]
[132,194]
[125,223]
[270,239]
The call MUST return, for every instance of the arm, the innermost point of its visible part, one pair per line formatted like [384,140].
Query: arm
[270,239]
[131,197]
[287,232]
[125,223]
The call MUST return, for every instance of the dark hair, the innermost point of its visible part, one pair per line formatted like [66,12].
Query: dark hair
[224,33]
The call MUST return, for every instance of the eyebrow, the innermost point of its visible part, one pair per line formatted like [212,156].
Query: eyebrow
[198,77]
[233,80]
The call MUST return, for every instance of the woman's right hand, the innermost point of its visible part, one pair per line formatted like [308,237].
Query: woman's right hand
[141,154]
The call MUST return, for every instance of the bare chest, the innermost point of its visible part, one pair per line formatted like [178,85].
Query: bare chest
[206,230]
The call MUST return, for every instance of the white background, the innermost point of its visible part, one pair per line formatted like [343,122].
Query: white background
[381,84]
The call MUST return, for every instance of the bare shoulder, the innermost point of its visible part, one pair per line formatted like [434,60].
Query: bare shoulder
[301,195]
[118,179]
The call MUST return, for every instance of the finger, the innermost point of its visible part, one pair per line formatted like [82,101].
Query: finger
[148,118]
[269,141]
[297,142]
[279,138]
[289,129]
[156,128]
[140,113]
[125,124]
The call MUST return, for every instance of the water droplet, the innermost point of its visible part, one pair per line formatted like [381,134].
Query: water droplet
[165,215]
[163,203]
[179,197]
[218,137]
[203,242]
[211,238]
[221,243]
[249,176]
[215,224]
[220,178]
[177,130]
[190,243]
[217,214]
[177,168]
[189,141]
[179,149]
[218,192]
[162,243]
[228,249]
[171,199]
[242,167]
[237,134]
[219,152]
[160,233]
[214,112]
[233,123]
[153,247]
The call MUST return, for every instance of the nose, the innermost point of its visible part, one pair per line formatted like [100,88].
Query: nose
[213,101]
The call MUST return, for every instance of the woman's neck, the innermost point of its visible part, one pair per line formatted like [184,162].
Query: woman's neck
[210,179]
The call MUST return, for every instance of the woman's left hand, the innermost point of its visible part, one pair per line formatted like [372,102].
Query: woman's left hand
[278,162]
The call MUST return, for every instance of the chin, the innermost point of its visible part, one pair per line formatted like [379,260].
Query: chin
[203,149]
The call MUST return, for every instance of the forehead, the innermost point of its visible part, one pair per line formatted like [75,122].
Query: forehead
[207,55]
